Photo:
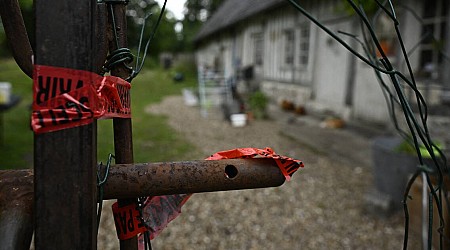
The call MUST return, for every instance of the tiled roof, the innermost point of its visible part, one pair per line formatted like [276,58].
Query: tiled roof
[232,12]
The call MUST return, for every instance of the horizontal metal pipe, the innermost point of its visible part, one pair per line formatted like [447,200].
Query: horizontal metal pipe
[150,179]
[162,178]
[131,181]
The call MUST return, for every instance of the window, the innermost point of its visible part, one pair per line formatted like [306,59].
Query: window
[289,38]
[433,34]
[303,52]
[297,46]
[258,48]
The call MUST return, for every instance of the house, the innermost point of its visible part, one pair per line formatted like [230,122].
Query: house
[292,59]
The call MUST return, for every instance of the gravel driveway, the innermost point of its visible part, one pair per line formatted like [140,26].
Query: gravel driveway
[322,207]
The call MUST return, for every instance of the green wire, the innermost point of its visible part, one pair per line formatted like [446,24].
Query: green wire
[152,35]
[416,130]
[100,183]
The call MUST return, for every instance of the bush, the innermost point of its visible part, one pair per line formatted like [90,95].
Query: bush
[258,103]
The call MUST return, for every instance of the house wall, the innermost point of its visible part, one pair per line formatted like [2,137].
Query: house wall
[251,27]
[369,103]
[274,69]
[411,33]
[281,81]
[331,70]
[431,90]
[334,79]
[323,84]
[217,55]
[206,53]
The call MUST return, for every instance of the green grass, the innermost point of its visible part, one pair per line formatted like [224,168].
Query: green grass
[153,139]
[17,143]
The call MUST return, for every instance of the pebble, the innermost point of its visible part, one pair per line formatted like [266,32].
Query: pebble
[322,207]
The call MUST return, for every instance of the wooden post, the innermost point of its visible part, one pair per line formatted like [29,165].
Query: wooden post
[65,161]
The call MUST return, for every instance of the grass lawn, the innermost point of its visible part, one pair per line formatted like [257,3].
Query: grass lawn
[153,139]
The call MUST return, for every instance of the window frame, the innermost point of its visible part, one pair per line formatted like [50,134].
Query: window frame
[304,39]
[430,58]
[258,48]
[289,47]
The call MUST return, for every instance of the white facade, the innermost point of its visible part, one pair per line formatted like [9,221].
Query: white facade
[295,60]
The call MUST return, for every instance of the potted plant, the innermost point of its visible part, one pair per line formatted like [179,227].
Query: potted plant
[258,104]
[394,160]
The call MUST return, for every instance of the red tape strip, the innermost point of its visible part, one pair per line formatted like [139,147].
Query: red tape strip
[158,211]
[127,221]
[287,165]
[65,98]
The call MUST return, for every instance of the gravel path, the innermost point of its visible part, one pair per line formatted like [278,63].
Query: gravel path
[322,207]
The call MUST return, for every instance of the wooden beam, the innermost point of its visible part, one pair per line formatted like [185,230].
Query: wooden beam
[65,161]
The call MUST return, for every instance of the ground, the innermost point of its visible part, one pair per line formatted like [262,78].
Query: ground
[322,207]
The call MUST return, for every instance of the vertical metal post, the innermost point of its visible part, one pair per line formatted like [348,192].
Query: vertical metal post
[123,143]
[65,161]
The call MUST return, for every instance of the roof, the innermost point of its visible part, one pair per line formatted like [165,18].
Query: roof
[232,12]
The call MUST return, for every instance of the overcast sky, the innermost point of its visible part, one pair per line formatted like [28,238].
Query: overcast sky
[175,6]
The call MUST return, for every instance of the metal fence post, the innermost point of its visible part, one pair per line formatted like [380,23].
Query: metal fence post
[65,161]
[123,142]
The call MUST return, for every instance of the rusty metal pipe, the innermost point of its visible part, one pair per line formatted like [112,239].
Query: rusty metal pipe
[17,35]
[149,179]
[134,180]
[123,142]
[164,178]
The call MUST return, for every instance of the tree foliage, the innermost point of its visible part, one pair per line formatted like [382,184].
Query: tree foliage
[196,13]
[200,10]
[165,39]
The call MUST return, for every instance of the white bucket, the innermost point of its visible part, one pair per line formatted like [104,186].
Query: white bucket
[238,120]
[189,97]
[5,92]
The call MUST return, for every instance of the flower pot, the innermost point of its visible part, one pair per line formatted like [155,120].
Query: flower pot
[392,169]
[238,120]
